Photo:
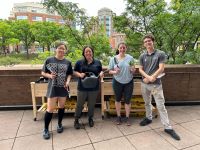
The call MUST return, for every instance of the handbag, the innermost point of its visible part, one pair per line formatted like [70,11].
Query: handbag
[90,80]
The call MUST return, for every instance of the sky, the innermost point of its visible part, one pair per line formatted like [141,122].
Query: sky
[91,6]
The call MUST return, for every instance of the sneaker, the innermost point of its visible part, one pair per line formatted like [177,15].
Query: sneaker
[173,134]
[77,124]
[145,122]
[119,121]
[91,122]
[46,134]
[127,120]
[59,128]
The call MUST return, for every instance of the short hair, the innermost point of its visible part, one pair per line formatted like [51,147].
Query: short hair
[59,44]
[150,36]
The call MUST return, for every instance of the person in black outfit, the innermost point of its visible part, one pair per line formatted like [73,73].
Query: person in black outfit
[58,70]
[82,67]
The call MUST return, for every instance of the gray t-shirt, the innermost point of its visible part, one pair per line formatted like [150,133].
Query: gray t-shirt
[62,68]
[125,75]
[150,62]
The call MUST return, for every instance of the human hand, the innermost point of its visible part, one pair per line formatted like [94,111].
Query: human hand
[82,75]
[66,86]
[132,69]
[152,79]
[117,70]
[53,75]
[101,74]
[145,80]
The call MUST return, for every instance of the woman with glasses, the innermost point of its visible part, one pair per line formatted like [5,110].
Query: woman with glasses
[122,68]
[58,70]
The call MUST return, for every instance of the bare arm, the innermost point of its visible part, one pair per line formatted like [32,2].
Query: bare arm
[159,71]
[48,75]
[68,79]
[112,72]
[78,74]
[151,78]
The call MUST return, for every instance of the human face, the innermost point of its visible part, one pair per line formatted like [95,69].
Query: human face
[122,49]
[148,43]
[88,53]
[60,51]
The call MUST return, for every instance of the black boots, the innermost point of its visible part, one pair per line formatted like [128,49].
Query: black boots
[77,125]
[90,122]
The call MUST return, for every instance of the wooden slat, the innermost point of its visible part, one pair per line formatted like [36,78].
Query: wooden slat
[40,89]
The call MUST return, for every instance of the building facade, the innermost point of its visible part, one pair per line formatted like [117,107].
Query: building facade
[33,12]
[105,18]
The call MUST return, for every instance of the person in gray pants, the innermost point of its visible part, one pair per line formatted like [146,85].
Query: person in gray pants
[87,90]
[151,66]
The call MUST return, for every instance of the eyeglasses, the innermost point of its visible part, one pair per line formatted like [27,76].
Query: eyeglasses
[122,47]
[146,41]
[61,48]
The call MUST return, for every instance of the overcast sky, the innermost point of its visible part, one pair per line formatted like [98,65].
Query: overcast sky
[91,6]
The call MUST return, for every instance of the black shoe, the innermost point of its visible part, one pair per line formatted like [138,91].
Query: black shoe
[128,121]
[145,122]
[59,128]
[46,134]
[91,122]
[119,120]
[173,134]
[77,124]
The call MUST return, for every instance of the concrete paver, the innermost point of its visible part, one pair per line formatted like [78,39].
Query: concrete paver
[18,131]
[150,140]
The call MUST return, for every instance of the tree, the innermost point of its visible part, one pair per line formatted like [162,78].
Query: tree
[176,29]
[179,31]
[86,36]
[46,33]
[6,35]
[136,21]
[23,32]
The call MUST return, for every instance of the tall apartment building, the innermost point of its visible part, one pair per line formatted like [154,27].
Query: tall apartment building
[105,18]
[33,11]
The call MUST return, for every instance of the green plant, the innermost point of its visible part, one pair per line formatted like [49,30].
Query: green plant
[9,61]
[42,56]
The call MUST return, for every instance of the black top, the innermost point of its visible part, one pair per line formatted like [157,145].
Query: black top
[62,68]
[82,66]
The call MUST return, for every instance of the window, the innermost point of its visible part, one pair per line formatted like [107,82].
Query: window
[34,10]
[22,17]
[50,19]
[61,21]
[36,18]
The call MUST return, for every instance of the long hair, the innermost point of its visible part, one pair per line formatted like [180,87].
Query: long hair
[84,48]
[121,43]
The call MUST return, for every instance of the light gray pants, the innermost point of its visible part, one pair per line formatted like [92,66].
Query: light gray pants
[82,96]
[157,91]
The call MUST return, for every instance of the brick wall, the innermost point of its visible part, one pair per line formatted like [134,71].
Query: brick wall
[181,83]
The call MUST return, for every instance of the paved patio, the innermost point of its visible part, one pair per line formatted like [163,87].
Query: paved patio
[18,131]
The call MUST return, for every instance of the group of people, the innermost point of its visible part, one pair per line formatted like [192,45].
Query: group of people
[121,66]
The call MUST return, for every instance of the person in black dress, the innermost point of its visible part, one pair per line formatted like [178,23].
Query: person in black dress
[58,70]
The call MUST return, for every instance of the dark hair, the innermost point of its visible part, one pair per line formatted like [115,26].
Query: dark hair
[87,47]
[84,48]
[59,44]
[122,43]
[150,36]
